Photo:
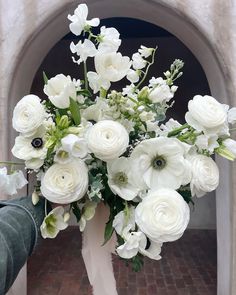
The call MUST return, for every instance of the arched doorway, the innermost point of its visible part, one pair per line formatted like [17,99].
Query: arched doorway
[170,18]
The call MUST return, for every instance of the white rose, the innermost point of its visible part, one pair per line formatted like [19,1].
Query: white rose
[28,115]
[206,114]
[107,140]
[65,183]
[112,66]
[59,89]
[163,215]
[205,175]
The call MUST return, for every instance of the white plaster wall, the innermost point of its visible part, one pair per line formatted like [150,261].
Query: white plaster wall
[29,28]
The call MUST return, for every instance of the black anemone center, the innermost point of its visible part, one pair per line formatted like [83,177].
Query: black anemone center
[37,142]
[159,163]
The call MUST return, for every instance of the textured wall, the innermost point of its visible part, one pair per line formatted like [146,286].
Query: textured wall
[29,28]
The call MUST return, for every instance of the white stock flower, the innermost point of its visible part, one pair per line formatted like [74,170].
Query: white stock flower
[109,40]
[28,115]
[75,146]
[107,140]
[133,242]
[79,20]
[206,114]
[59,89]
[65,183]
[161,93]
[112,66]
[205,175]
[9,184]
[96,82]
[83,50]
[163,215]
[232,116]
[133,76]
[145,51]
[160,162]
[138,62]
[53,223]
[121,179]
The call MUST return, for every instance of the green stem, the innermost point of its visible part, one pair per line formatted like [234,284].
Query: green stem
[46,207]
[177,130]
[147,69]
[85,76]
[11,163]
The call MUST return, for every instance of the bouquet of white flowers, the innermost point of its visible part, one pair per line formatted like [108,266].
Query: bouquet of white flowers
[90,144]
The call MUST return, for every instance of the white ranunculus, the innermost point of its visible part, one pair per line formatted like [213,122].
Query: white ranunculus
[121,179]
[59,89]
[206,114]
[230,144]
[138,62]
[9,184]
[112,66]
[109,40]
[107,140]
[75,146]
[160,163]
[163,215]
[205,175]
[79,20]
[161,93]
[28,115]
[24,149]
[133,242]
[83,50]
[53,223]
[65,183]
[96,82]
[232,115]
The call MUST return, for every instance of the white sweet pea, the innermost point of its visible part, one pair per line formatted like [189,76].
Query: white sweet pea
[75,146]
[153,82]
[53,223]
[161,93]
[109,40]
[133,76]
[121,179]
[207,114]
[145,51]
[205,175]
[153,251]
[112,66]
[9,184]
[124,222]
[83,50]
[163,215]
[133,243]
[168,127]
[65,183]
[160,162]
[59,89]
[79,20]
[205,142]
[97,111]
[232,116]
[96,82]
[107,140]
[28,115]
[138,62]
[88,213]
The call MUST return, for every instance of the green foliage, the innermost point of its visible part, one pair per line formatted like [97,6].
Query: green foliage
[137,262]
[108,230]
[75,111]
[76,210]
[185,192]
[45,78]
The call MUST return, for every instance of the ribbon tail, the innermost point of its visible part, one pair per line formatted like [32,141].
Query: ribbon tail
[97,258]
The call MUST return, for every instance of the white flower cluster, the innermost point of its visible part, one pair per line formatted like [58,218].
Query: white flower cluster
[114,147]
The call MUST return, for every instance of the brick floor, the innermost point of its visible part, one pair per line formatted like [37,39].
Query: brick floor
[188,267]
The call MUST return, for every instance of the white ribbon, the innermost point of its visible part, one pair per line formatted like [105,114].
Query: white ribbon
[97,258]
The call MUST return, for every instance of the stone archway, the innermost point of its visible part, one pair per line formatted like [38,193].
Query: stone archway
[181,21]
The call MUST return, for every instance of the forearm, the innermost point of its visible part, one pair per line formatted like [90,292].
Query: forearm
[19,229]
